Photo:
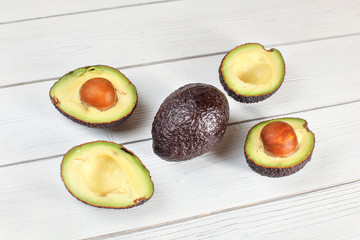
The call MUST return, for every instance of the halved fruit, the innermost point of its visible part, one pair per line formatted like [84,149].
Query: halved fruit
[95,96]
[105,174]
[279,147]
[249,73]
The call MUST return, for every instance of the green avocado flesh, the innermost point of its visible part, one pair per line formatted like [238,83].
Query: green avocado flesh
[254,149]
[105,174]
[65,95]
[250,70]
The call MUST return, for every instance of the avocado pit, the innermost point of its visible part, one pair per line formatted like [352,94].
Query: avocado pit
[279,139]
[279,147]
[98,93]
[95,96]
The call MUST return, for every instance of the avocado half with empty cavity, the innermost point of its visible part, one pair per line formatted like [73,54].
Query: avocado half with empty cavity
[95,96]
[279,147]
[105,174]
[249,73]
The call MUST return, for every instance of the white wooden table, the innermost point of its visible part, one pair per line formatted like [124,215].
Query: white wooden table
[161,45]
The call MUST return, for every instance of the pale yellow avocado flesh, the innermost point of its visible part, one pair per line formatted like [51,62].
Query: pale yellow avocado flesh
[103,174]
[255,150]
[251,70]
[67,93]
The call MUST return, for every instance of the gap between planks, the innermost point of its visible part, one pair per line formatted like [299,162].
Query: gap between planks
[230,124]
[89,11]
[187,58]
[271,200]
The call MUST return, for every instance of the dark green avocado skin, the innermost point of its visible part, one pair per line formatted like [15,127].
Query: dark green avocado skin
[242,98]
[276,172]
[190,122]
[94,125]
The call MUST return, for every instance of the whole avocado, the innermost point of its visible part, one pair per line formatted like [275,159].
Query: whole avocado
[190,122]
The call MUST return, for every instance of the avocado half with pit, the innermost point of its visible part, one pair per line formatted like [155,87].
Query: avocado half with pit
[249,73]
[190,122]
[105,174]
[279,147]
[95,96]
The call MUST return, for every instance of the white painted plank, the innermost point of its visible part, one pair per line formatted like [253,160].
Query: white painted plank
[35,204]
[20,10]
[328,214]
[316,77]
[49,48]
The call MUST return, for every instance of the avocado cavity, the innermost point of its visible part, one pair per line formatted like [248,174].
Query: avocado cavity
[249,73]
[105,174]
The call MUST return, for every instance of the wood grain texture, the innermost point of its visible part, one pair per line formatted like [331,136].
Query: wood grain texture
[34,199]
[327,214]
[19,10]
[314,78]
[49,48]
[162,45]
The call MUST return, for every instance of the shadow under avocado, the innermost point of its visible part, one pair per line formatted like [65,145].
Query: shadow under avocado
[231,147]
[137,120]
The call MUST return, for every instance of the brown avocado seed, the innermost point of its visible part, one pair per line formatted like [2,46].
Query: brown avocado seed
[98,93]
[279,139]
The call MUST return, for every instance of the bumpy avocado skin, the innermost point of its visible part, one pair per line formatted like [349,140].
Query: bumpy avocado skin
[190,122]
[276,172]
